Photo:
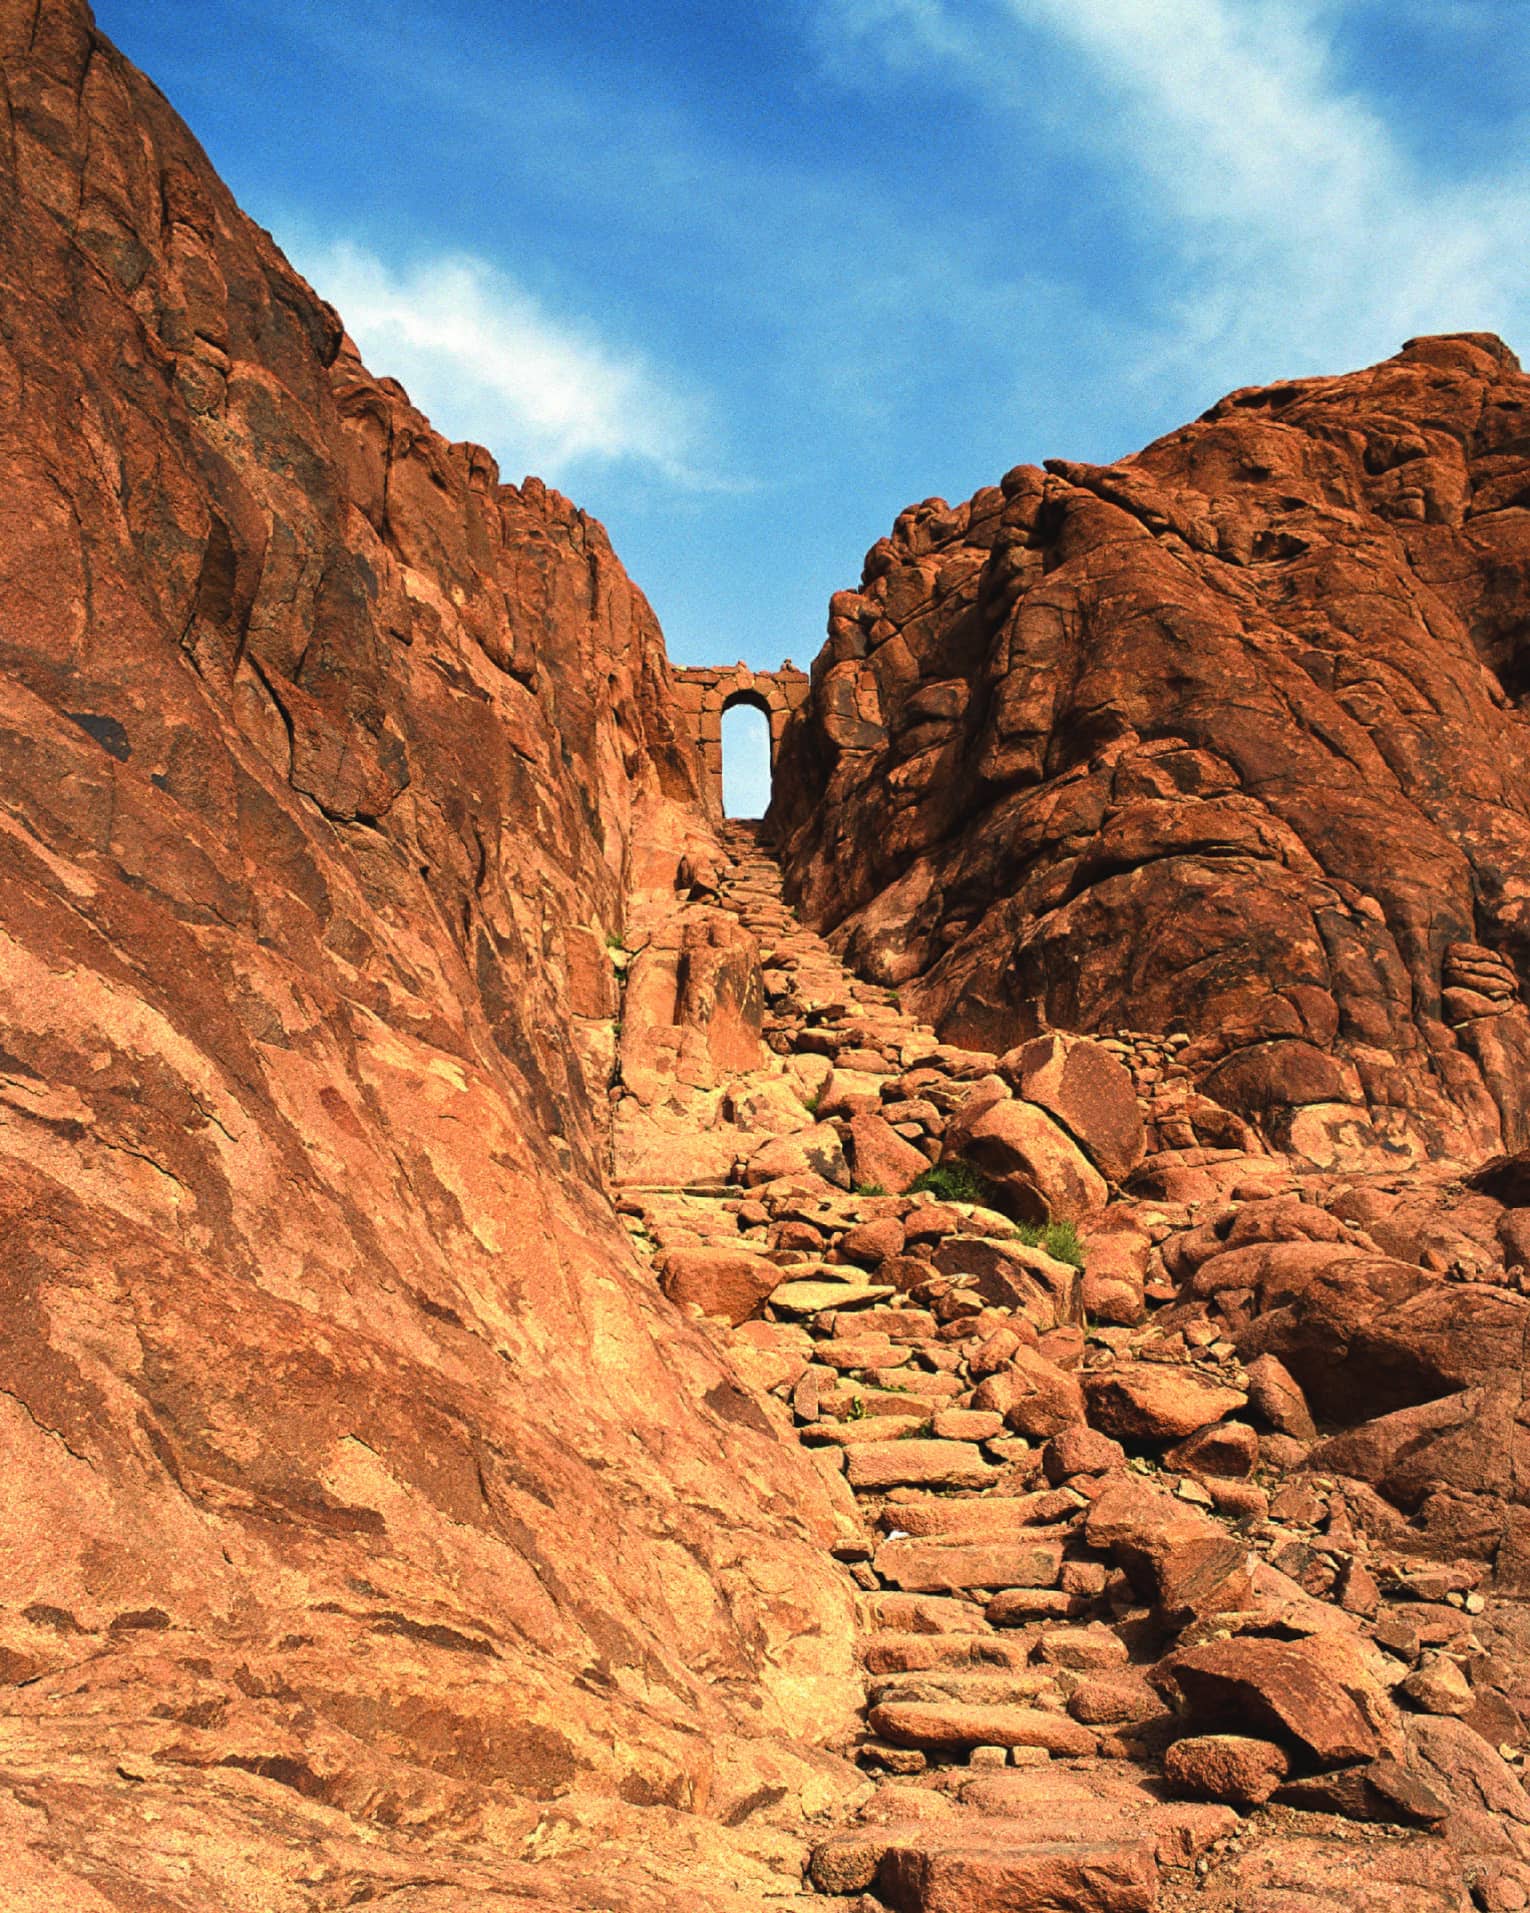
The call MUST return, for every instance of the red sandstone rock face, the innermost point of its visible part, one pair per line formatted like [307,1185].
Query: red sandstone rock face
[1227,739]
[369,1500]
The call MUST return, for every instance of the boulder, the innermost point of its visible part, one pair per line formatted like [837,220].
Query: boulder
[1438,1686]
[1229,1449]
[720,1282]
[1308,1693]
[1088,1091]
[847,1093]
[881,1157]
[1275,1395]
[870,1243]
[1040,1171]
[1014,1275]
[1157,1401]
[1116,1259]
[1181,1560]
[1380,1790]
[1035,1397]
[1123,1698]
[1081,1451]
[815,1151]
[1230,1767]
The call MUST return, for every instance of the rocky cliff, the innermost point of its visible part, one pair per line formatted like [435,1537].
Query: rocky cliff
[1225,741]
[364,1498]
[520,1354]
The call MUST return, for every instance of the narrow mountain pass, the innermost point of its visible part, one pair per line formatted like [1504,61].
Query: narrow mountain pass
[1128,1639]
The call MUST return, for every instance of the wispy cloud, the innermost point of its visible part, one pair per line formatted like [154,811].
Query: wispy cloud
[1285,224]
[486,361]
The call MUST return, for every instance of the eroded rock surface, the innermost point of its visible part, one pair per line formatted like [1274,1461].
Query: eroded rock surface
[1022,1470]
[375,1527]
[1224,742]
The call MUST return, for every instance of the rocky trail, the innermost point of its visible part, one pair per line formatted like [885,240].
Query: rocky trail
[1051,1435]
[1127,1641]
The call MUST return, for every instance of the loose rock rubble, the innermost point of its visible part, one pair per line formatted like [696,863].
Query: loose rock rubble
[1128,1638]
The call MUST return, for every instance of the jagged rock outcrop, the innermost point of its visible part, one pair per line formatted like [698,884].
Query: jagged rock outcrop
[1226,742]
[377,1529]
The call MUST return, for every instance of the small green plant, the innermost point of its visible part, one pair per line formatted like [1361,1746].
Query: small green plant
[869,1189]
[1059,1239]
[811,1101]
[957,1181]
[857,1410]
[614,940]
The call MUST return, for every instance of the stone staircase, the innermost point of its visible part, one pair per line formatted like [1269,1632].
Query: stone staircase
[1045,1480]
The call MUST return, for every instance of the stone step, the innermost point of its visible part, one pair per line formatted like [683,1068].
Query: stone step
[941,1565]
[919,1464]
[888,1652]
[954,1727]
[989,1867]
[902,1613]
[992,1516]
[967,1687]
[1098,1801]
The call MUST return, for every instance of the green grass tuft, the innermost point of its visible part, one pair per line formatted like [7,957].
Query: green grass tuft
[957,1181]
[1059,1239]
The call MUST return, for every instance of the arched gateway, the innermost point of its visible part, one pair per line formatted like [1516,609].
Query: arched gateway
[706,691]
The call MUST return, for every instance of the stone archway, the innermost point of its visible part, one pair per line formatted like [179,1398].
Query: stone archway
[704,692]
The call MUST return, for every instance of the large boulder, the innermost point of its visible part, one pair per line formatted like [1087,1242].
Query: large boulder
[1157,1401]
[1013,1275]
[1179,1559]
[1090,1093]
[1314,1695]
[1040,1171]
[881,1159]
[813,1151]
[729,1283]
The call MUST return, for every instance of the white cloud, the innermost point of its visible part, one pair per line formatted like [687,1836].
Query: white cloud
[1285,225]
[485,361]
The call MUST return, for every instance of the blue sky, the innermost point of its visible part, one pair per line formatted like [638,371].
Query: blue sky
[745,280]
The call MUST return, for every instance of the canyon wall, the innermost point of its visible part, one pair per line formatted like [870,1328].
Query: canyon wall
[364,1498]
[1226,739]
